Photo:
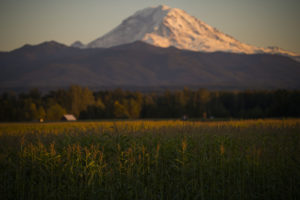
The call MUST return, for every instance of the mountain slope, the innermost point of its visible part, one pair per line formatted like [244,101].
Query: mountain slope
[140,64]
[163,26]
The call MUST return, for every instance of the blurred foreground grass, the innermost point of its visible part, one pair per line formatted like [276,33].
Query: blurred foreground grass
[252,159]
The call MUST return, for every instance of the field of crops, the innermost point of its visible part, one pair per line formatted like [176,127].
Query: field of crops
[252,159]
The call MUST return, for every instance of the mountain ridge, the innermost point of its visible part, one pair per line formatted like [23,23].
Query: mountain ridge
[142,65]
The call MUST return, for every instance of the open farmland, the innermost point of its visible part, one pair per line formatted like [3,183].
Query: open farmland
[251,159]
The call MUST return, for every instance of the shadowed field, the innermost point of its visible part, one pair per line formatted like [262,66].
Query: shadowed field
[253,159]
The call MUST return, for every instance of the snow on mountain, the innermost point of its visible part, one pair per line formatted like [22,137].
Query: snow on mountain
[164,26]
[78,44]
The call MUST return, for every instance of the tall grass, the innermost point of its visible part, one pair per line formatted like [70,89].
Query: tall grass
[254,159]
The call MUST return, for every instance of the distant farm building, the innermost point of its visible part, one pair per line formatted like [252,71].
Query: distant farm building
[68,117]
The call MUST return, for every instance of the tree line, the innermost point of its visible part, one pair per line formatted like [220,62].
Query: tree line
[201,103]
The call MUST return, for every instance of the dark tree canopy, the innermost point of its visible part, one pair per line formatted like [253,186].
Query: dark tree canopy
[201,103]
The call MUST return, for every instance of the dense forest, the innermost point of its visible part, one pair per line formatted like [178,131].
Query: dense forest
[85,104]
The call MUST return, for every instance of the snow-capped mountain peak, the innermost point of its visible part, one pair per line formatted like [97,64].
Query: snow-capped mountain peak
[133,28]
[77,44]
[164,27]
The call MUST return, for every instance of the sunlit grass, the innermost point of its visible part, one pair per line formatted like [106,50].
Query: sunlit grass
[253,159]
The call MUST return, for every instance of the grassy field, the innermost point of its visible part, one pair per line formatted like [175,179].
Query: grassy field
[252,159]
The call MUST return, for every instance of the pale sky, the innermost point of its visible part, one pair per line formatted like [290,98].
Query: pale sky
[257,22]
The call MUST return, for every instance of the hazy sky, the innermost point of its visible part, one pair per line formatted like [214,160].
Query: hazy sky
[258,22]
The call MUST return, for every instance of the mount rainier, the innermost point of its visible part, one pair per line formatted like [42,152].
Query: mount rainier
[163,26]
[140,53]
